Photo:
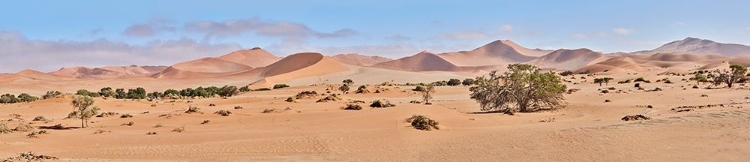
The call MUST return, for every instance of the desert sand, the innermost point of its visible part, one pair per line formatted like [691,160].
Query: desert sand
[705,123]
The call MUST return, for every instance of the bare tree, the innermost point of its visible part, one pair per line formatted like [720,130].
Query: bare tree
[427,93]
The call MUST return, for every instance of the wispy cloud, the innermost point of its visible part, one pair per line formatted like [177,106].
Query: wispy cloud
[623,31]
[52,55]
[468,35]
[257,26]
[398,38]
[150,28]
[506,28]
[580,36]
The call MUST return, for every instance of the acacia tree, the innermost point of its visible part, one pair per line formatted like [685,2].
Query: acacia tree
[427,93]
[700,78]
[736,73]
[83,109]
[516,90]
[348,81]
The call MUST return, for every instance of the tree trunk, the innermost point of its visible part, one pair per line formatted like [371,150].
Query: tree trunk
[82,124]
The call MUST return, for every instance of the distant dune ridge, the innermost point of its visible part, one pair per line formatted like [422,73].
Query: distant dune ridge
[263,68]
[360,60]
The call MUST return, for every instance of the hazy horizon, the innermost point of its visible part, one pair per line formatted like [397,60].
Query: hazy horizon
[93,33]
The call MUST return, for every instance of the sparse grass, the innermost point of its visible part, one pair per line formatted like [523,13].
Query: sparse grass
[205,122]
[39,118]
[4,129]
[269,111]
[211,104]
[179,129]
[158,125]
[352,107]
[332,97]
[100,131]
[126,116]
[35,134]
[107,114]
[223,112]
[30,156]
[193,109]
[129,123]
[422,122]
[237,107]
[305,95]
[262,89]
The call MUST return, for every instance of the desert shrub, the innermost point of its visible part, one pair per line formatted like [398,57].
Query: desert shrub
[205,122]
[30,156]
[223,112]
[24,97]
[381,104]
[344,88]
[305,95]
[228,91]
[211,104]
[453,82]
[151,133]
[9,98]
[129,123]
[193,109]
[39,118]
[352,107]
[289,99]
[635,117]
[158,125]
[245,89]
[734,75]
[179,129]
[262,89]
[418,88]
[566,73]
[237,107]
[523,86]
[415,102]
[422,122]
[362,89]
[23,128]
[51,94]
[107,114]
[468,82]
[348,81]
[126,116]
[639,79]
[279,86]
[35,134]
[332,97]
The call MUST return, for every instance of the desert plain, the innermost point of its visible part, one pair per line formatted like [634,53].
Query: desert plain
[687,120]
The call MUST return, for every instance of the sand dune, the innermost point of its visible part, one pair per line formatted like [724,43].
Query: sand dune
[702,46]
[423,61]
[566,59]
[108,72]
[360,60]
[620,64]
[255,57]
[298,66]
[494,53]
[526,51]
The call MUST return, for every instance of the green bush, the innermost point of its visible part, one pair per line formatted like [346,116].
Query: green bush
[279,86]
[453,82]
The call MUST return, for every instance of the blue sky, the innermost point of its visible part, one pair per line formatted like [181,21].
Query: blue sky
[47,35]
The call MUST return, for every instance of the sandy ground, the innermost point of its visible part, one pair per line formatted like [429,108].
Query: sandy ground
[587,129]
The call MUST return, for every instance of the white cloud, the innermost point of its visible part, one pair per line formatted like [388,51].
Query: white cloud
[150,28]
[506,28]
[51,55]
[623,31]
[255,25]
[580,36]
